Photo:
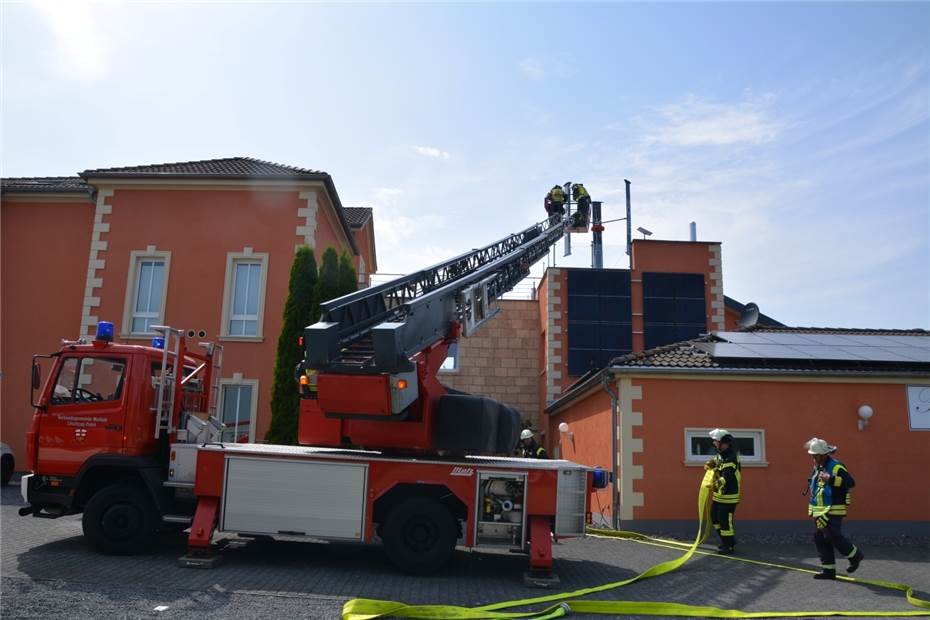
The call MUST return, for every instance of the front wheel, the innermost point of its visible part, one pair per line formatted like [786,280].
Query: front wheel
[120,519]
[419,535]
[7,473]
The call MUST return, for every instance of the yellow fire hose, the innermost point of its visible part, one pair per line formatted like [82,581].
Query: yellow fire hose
[368,609]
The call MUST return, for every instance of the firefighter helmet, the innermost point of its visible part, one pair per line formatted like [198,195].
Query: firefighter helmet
[721,434]
[819,446]
[526,434]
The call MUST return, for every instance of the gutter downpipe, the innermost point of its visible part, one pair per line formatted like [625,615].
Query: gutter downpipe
[606,376]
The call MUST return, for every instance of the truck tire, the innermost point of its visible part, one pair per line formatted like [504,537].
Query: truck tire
[419,535]
[7,469]
[120,520]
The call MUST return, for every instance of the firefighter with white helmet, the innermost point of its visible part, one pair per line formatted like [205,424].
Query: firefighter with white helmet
[528,446]
[726,488]
[829,487]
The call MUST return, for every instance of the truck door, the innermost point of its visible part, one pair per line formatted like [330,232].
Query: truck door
[84,415]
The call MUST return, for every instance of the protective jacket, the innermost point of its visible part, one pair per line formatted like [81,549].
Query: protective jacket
[830,497]
[557,196]
[533,451]
[727,467]
[579,192]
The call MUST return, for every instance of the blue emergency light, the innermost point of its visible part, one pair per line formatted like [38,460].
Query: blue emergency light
[104,331]
[600,478]
[158,342]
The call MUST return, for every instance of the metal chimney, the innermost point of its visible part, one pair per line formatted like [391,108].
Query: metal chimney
[597,244]
[629,221]
[693,231]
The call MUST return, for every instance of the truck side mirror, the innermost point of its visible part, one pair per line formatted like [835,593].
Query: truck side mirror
[36,384]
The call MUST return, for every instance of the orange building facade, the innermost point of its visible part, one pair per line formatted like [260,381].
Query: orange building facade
[203,246]
[668,399]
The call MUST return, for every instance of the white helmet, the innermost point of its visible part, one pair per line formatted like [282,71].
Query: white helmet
[818,446]
[526,434]
[720,434]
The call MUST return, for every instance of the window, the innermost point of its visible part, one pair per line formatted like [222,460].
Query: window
[88,380]
[749,443]
[146,288]
[451,362]
[238,406]
[244,302]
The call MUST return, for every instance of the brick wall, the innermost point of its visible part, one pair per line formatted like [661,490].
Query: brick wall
[502,360]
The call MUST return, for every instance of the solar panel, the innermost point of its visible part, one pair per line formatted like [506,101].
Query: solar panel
[777,351]
[822,352]
[824,347]
[786,339]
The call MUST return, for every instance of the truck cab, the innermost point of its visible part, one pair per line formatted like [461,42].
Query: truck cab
[102,429]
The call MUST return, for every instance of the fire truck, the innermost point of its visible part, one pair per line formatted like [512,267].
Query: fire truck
[129,436]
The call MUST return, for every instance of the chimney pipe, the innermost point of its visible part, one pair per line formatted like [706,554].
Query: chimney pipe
[693,231]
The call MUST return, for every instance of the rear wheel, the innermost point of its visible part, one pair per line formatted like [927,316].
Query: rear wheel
[120,520]
[419,535]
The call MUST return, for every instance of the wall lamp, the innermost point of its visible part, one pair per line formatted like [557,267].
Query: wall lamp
[865,414]
[563,428]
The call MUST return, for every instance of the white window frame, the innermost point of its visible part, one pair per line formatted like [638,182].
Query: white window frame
[232,260]
[129,306]
[237,380]
[756,434]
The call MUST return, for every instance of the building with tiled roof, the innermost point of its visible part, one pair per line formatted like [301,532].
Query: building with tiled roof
[772,388]
[204,245]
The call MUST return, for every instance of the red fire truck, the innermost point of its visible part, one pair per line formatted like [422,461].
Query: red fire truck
[128,435]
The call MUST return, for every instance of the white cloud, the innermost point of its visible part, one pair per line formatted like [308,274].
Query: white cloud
[81,50]
[432,152]
[696,122]
[539,68]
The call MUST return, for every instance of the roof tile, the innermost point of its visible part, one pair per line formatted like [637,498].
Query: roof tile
[357,216]
[239,167]
[44,184]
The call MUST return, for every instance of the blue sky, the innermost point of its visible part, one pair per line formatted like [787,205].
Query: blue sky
[798,135]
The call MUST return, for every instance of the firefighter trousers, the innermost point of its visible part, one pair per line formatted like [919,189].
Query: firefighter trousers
[829,537]
[721,515]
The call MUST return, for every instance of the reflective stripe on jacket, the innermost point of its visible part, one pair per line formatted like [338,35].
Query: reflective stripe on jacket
[833,496]
[729,477]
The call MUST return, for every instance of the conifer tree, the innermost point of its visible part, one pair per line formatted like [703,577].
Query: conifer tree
[327,286]
[348,280]
[299,310]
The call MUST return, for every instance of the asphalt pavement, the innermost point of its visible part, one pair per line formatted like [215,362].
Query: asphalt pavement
[48,570]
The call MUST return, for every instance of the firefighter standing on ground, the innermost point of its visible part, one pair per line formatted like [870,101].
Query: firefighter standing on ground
[726,488]
[528,446]
[555,201]
[829,487]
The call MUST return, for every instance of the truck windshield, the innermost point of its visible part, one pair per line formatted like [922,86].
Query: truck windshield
[88,379]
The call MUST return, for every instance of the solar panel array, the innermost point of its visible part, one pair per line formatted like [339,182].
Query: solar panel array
[600,319]
[673,307]
[824,347]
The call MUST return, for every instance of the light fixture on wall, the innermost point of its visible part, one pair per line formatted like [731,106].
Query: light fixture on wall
[563,428]
[865,414]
